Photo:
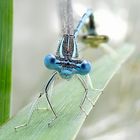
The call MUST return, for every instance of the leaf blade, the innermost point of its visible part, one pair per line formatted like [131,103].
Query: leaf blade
[66,100]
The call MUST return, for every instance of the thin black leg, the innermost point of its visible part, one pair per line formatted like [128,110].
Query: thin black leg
[46,91]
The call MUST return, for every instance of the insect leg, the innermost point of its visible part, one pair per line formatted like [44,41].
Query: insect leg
[34,105]
[85,96]
[47,96]
[30,112]
[88,79]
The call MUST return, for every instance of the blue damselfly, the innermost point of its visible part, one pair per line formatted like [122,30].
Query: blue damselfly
[66,62]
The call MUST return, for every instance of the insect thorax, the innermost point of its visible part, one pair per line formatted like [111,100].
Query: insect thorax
[67,47]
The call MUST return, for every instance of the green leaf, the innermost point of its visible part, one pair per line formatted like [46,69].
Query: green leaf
[6,12]
[66,99]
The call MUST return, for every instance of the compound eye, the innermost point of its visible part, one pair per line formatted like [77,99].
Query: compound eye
[50,61]
[85,67]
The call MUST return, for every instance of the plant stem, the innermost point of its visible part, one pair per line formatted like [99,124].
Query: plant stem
[6,16]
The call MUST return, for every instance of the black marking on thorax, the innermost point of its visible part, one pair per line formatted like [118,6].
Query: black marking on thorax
[68,63]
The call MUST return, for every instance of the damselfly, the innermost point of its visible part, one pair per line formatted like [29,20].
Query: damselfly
[66,62]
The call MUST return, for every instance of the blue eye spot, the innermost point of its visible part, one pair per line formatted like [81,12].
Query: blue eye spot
[49,61]
[85,68]
[52,60]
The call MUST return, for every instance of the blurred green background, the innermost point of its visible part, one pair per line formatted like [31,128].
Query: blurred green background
[36,33]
